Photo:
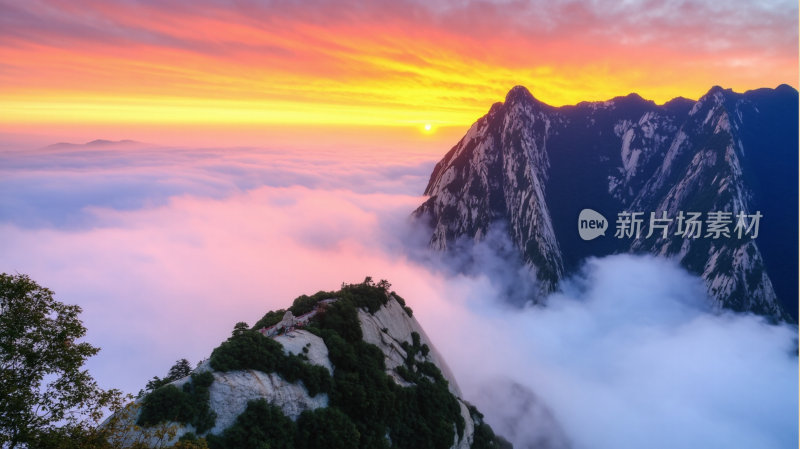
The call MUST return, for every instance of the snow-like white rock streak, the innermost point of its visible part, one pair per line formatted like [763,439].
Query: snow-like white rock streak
[399,327]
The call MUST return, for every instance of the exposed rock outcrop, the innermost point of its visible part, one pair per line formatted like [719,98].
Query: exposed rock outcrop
[388,328]
[399,327]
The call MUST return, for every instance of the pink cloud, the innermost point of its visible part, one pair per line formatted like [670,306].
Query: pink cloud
[613,362]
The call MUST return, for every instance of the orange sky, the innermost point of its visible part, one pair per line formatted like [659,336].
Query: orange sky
[147,64]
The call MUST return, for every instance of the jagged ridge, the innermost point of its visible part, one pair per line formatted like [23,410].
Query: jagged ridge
[533,168]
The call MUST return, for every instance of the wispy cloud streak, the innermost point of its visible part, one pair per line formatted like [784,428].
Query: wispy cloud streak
[382,62]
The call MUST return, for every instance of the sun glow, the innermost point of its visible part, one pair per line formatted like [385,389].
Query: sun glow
[212,65]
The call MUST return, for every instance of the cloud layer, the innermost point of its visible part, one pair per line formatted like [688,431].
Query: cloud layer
[166,250]
[628,355]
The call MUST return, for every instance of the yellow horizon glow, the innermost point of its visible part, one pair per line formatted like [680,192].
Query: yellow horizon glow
[231,69]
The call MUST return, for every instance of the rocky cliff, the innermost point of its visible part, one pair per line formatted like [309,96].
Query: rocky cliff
[531,168]
[363,356]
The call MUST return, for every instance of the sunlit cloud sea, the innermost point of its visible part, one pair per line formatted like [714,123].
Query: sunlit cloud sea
[166,249]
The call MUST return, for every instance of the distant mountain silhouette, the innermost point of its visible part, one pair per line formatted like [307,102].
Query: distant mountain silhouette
[98,144]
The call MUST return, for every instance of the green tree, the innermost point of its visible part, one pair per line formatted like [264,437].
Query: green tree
[179,370]
[261,426]
[41,381]
[239,328]
[187,405]
[326,428]
[251,350]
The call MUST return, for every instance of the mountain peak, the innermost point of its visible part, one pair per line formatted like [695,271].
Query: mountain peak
[285,364]
[520,93]
[717,90]
[785,88]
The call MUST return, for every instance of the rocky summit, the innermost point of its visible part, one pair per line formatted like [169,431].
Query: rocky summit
[342,369]
[531,169]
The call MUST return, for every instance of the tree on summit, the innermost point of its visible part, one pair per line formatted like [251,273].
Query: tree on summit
[384,285]
[240,328]
[179,370]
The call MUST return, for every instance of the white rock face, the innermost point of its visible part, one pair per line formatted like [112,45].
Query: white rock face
[499,170]
[317,351]
[231,391]
[399,327]
[469,429]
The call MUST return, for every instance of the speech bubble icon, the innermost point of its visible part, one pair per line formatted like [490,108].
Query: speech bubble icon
[591,224]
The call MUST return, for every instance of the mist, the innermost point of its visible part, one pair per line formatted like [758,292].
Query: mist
[166,249]
[628,354]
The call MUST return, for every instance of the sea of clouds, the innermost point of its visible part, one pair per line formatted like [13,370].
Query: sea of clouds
[165,249]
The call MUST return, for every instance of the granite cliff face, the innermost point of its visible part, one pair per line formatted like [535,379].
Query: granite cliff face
[497,172]
[532,168]
[408,357]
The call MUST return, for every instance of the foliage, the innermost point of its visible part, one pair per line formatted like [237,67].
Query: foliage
[261,426]
[425,413]
[168,403]
[272,318]
[38,341]
[304,304]
[249,349]
[399,298]
[342,318]
[483,436]
[419,416]
[187,405]
[362,388]
[365,295]
[179,370]
[190,441]
[326,428]
[239,328]
[122,432]
[118,432]
[300,306]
